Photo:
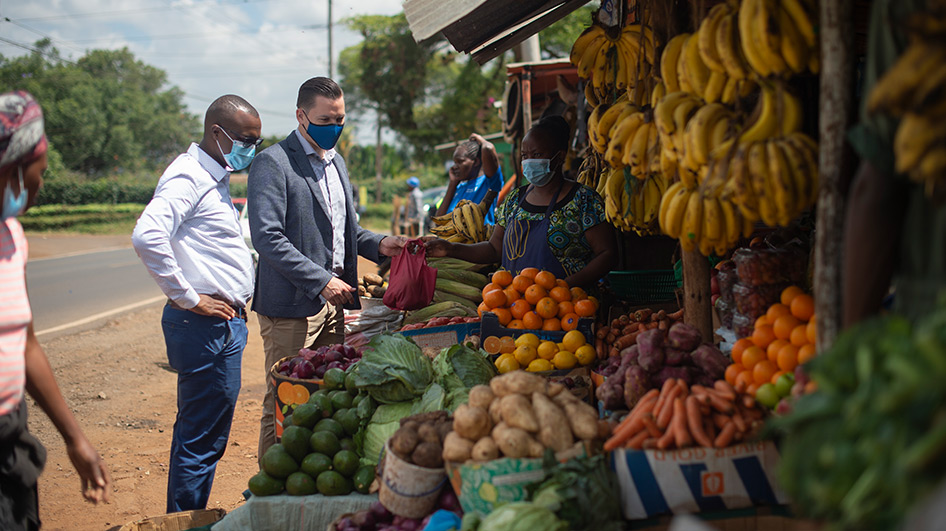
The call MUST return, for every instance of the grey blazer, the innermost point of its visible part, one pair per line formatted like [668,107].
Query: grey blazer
[292,232]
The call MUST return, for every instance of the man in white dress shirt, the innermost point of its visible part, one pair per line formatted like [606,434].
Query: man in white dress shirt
[190,241]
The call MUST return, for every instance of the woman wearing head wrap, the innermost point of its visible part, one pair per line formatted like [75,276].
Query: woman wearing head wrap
[475,171]
[23,364]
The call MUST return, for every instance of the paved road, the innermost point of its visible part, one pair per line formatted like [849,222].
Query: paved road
[69,289]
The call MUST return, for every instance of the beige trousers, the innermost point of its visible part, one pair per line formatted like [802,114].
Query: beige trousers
[284,337]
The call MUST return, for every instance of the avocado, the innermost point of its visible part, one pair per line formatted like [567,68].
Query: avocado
[300,484]
[331,483]
[295,439]
[348,419]
[341,399]
[334,379]
[324,403]
[350,383]
[330,425]
[316,463]
[287,421]
[278,463]
[262,484]
[345,463]
[363,479]
[324,442]
[347,444]
[306,415]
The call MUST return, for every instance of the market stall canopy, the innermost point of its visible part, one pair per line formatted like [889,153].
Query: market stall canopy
[484,28]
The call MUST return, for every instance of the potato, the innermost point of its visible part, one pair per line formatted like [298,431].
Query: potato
[485,449]
[456,449]
[362,291]
[376,291]
[481,396]
[521,382]
[373,279]
[471,422]
[565,398]
[555,389]
[428,455]
[554,431]
[513,442]
[495,412]
[404,441]
[517,412]
[584,424]
[444,429]
[428,433]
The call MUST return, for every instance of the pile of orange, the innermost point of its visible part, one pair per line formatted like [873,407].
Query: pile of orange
[535,300]
[781,340]
[533,354]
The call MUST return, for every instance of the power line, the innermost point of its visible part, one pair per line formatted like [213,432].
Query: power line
[36,50]
[190,35]
[40,33]
[140,11]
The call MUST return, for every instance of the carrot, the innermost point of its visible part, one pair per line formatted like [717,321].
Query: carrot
[615,323]
[683,387]
[668,383]
[643,314]
[695,422]
[666,409]
[614,352]
[748,401]
[666,440]
[601,349]
[702,398]
[637,441]
[751,413]
[705,410]
[709,427]
[676,316]
[650,444]
[661,315]
[651,426]
[611,337]
[723,406]
[649,396]
[626,341]
[628,428]
[641,327]
[681,434]
[739,436]
[624,319]
[663,324]
[651,326]
[725,436]
[725,389]
[629,329]
[603,332]
[739,422]
[720,420]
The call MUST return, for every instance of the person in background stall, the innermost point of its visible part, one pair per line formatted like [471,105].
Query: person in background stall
[415,209]
[475,171]
[23,363]
[552,223]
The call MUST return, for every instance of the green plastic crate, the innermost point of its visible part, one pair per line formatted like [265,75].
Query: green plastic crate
[644,287]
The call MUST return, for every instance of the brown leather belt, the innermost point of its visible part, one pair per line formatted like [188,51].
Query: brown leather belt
[240,312]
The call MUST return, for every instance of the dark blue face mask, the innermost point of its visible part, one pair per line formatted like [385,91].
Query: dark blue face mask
[326,136]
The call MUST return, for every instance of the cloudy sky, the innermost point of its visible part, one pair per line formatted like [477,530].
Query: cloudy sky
[260,49]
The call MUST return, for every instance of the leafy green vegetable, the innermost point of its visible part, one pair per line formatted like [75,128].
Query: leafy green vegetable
[458,368]
[393,369]
[522,516]
[433,400]
[383,424]
[582,491]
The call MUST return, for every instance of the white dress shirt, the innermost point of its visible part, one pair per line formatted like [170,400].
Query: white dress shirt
[330,185]
[189,235]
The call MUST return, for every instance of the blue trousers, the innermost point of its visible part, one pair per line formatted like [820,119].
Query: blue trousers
[207,353]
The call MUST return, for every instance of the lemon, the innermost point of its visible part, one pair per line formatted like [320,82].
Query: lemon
[564,360]
[561,346]
[573,340]
[530,340]
[585,354]
[539,365]
[547,349]
[506,363]
[524,354]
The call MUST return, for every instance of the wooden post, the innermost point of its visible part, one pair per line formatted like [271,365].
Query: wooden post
[836,102]
[697,309]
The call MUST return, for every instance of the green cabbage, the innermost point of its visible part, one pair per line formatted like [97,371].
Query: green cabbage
[459,368]
[393,369]
[434,399]
[385,421]
[522,516]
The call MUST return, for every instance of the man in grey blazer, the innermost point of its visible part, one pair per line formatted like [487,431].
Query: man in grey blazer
[303,226]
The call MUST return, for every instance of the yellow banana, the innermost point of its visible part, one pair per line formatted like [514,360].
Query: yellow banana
[808,151]
[669,60]
[715,86]
[588,56]
[727,45]
[767,36]
[782,185]
[712,219]
[915,136]
[707,37]
[696,71]
[762,184]
[766,124]
[801,19]
[731,222]
[796,166]
[599,70]
[676,210]
[692,219]
[703,123]
[608,119]
[792,46]
[681,115]
[638,149]
[749,40]
[660,90]
[683,76]
[668,163]
[663,112]
[598,142]
[665,203]
[623,133]
[588,36]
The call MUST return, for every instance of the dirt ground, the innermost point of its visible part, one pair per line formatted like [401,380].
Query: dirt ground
[120,388]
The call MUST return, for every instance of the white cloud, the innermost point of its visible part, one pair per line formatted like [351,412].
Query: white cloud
[260,49]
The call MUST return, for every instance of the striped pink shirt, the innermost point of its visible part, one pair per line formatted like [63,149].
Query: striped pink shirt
[15,314]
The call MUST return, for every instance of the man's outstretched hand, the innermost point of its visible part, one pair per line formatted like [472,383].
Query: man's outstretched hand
[392,245]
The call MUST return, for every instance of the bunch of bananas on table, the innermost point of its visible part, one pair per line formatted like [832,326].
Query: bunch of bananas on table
[613,59]
[466,223]
[914,89]
[701,221]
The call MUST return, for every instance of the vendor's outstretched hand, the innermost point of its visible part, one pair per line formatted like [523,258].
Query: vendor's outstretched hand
[437,247]
[392,245]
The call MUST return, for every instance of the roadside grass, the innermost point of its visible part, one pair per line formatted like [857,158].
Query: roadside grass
[82,219]
[377,217]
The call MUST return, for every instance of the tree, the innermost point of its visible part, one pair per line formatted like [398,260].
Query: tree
[556,40]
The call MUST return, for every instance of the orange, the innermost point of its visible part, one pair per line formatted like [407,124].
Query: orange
[738,348]
[530,272]
[521,283]
[561,283]
[771,353]
[560,294]
[743,379]
[300,394]
[789,293]
[507,344]
[511,295]
[547,308]
[788,358]
[552,325]
[515,324]
[492,345]
[495,299]
[565,308]
[570,321]
[532,321]
[490,287]
[806,353]
[503,314]
[811,331]
[731,372]
[799,335]
[784,324]
[763,320]
[545,279]
[578,294]
[519,308]
[503,278]
[762,336]
[482,308]
[776,376]
[803,307]
[535,293]
[763,371]
[585,308]
[751,356]
[594,299]
[777,310]
[752,388]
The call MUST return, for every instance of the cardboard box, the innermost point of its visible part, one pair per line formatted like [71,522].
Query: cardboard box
[176,521]
[436,338]
[696,480]
[774,518]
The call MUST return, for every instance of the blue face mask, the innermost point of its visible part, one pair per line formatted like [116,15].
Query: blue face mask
[537,171]
[240,156]
[326,136]
[13,205]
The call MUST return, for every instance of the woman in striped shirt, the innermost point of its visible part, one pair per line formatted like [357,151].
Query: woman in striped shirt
[23,364]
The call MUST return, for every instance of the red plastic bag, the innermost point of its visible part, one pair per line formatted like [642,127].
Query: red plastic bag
[412,281]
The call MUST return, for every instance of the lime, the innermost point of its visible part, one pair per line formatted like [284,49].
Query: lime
[363,479]
[316,463]
[300,484]
[295,439]
[783,386]
[346,463]
[324,442]
[331,483]
[330,425]
[334,379]
[767,395]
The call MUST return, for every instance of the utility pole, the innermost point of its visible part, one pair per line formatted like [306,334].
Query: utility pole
[329,38]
